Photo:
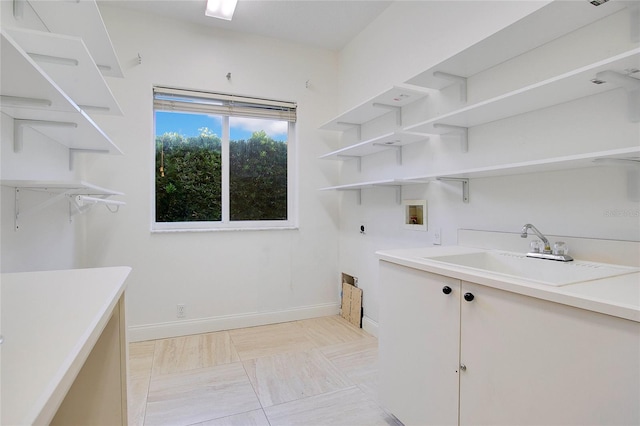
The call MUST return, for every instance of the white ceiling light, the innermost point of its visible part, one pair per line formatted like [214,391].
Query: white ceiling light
[221,9]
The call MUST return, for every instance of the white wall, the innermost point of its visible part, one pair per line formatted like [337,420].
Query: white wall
[46,240]
[223,278]
[410,37]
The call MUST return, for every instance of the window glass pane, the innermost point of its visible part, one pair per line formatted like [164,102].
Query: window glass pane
[188,167]
[257,169]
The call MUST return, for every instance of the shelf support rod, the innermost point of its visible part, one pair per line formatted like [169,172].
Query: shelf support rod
[353,157]
[19,125]
[465,186]
[398,149]
[74,151]
[462,131]
[456,79]
[395,108]
[356,125]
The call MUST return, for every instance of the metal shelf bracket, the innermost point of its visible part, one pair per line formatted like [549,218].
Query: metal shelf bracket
[456,79]
[19,125]
[630,84]
[465,186]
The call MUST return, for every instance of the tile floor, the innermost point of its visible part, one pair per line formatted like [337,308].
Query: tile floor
[315,372]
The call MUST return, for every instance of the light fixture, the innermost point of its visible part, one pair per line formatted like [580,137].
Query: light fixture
[221,9]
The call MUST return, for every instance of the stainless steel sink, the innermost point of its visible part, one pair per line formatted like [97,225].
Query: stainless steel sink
[541,271]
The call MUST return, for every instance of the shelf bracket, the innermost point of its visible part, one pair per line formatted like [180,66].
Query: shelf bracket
[19,214]
[462,131]
[356,125]
[465,186]
[630,84]
[19,125]
[18,9]
[456,79]
[395,108]
[398,149]
[74,151]
[353,157]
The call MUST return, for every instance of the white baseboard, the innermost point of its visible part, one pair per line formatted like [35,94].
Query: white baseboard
[139,333]
[370,326]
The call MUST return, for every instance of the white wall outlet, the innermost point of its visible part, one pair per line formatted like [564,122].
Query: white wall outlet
[437,236]
[180,311]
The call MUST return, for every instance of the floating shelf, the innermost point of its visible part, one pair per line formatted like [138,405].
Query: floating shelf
[68,62]
[81,196]
[81,19]
[557,18]
[34,100]
[563,88]
[389,183]
[624,157]
[394,98]
[567,162]
[393,140]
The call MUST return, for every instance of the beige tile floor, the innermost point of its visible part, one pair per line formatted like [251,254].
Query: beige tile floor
[316,372]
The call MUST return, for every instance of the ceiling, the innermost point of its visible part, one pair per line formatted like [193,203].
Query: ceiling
[330,24]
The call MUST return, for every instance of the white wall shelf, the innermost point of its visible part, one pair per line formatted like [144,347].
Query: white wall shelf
[392,99]
[81,19]
[576,161]
[393,140]
[624,157]
[556,90]
[81,196]
[68,62]
[557,18]
[34,100]
[389,183]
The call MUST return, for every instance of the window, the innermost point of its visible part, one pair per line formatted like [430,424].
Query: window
[222,161]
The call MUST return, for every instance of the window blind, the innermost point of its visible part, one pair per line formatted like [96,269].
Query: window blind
[170,99]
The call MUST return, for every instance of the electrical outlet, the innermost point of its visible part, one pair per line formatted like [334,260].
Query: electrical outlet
[437,236]
[180,311]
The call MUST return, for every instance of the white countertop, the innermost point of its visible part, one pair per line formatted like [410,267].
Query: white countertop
[617,296]
[50,322]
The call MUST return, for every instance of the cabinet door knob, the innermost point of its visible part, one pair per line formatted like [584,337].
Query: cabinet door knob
[463,367]
[469,297]
[446,289]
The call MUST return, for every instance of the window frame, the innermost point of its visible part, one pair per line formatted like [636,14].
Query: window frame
[225,224]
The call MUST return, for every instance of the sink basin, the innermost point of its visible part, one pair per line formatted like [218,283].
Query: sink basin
[547,272]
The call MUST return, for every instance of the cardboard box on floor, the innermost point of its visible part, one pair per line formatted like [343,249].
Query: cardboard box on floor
[351,300]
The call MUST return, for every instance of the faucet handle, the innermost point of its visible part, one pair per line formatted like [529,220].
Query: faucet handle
[560,248]
[536,246]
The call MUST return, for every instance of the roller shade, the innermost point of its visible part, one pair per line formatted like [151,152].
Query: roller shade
[169,99]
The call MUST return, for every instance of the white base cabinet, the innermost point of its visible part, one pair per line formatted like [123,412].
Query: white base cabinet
[526,360]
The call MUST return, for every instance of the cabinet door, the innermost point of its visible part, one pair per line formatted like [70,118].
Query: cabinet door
[419,345]
[531,361]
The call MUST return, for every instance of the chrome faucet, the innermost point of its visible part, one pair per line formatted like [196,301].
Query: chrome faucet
[546,253]
[523,234]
